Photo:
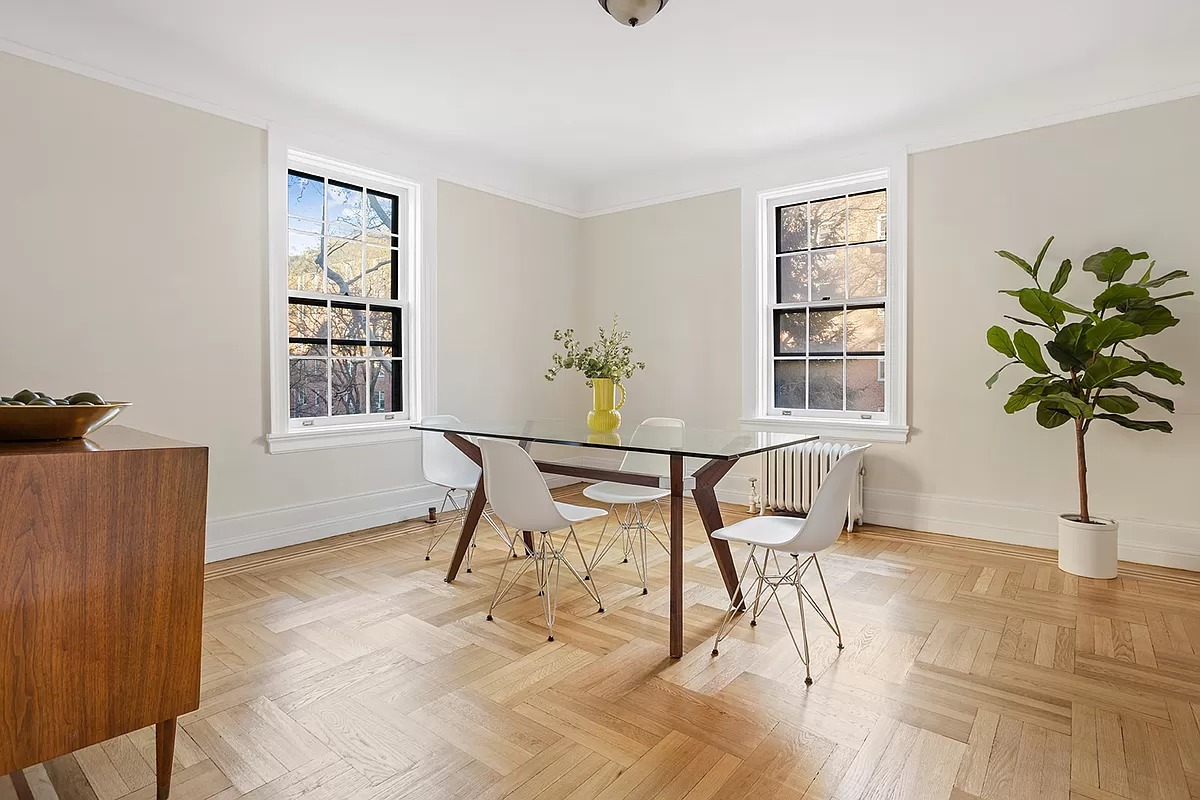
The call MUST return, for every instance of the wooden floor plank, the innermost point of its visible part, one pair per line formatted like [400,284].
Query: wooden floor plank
[349,669]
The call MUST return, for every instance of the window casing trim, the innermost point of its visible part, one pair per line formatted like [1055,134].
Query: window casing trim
[890,425]
[289,435]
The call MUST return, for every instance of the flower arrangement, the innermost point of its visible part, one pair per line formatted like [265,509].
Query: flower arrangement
[607,357]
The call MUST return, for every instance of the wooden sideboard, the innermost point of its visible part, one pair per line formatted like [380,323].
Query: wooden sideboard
[101,592]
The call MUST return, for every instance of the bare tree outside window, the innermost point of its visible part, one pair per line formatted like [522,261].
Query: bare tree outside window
[830,304]
[345,299]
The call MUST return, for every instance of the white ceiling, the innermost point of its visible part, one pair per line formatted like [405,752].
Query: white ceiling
[556,85]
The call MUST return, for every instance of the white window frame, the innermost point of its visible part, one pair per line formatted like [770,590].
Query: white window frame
[891,425]
[290,435]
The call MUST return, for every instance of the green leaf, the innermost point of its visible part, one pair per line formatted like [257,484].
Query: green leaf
[1151,319]
[1069,348]
[1037,265]
[1051,416]
[995,375]
[1119,293]
[1030,352]
[1000,341]
[1020,262]
[1174,274]
[1158,370]
[1111,331]
[1060,277]
[1188,293]
[1039,385]
[1065,359]
[1029,392]
[1104,369]
[1144,355]
[1141,304]
[1111,265]
[1149,270]
[1068,403]
[1028,322]
[1074,309]
[1042,305]
[1017,402]
[1117,404]
[1162,402]
[1137,424]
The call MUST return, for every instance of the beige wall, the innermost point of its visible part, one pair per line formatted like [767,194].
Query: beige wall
[135,265]
[507,278]
[673,272]
[1123,179]
[135,248]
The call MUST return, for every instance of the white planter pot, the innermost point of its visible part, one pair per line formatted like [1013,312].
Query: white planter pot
[1088,550]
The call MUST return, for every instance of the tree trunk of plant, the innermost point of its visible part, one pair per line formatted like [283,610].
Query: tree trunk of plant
[1082,457]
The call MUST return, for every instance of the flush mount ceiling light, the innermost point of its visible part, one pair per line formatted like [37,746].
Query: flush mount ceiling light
[633,12]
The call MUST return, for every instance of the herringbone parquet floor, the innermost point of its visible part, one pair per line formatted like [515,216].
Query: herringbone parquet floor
[351,670]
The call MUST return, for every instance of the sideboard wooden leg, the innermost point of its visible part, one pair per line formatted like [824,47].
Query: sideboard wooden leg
[20,785]
[164,738]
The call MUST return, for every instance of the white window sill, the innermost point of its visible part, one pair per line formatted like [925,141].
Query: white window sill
[848,430]
[329,437]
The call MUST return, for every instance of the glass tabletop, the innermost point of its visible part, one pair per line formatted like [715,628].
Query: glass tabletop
[686,441]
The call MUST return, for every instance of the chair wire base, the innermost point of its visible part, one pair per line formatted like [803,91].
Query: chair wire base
[768,583]
[548,557]
[457,520]
[632,531]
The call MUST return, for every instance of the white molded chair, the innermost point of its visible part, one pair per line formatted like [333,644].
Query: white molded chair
[521,499]
[446,466]
[633,527]
[794,536]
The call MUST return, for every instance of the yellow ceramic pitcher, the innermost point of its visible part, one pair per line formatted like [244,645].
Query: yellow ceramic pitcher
[605,416]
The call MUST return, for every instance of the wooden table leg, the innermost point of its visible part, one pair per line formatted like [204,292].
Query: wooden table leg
[676,556]
[705,496]
[470,522]
[164,741]
[474,509]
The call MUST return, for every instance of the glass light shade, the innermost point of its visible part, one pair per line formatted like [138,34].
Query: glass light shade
[633,13]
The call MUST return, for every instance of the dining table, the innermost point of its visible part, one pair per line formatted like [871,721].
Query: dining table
[696,459]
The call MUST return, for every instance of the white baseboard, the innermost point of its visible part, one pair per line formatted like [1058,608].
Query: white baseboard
[1141,541]
[255,532]
[242,534]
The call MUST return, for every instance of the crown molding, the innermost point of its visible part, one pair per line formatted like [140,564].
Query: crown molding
[713,188]
[682,183]
[567,211]
[512,180]
[1142,75]
[1079,95]
[126,82]
[968,135]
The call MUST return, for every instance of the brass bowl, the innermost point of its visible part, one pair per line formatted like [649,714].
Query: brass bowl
[29,423]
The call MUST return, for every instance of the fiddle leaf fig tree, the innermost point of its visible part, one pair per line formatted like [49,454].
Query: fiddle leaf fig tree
[1087,359]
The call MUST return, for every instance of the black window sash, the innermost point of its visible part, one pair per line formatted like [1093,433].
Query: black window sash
[779,312]
[396,342]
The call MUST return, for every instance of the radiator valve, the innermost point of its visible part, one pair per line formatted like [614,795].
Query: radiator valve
[755,500]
